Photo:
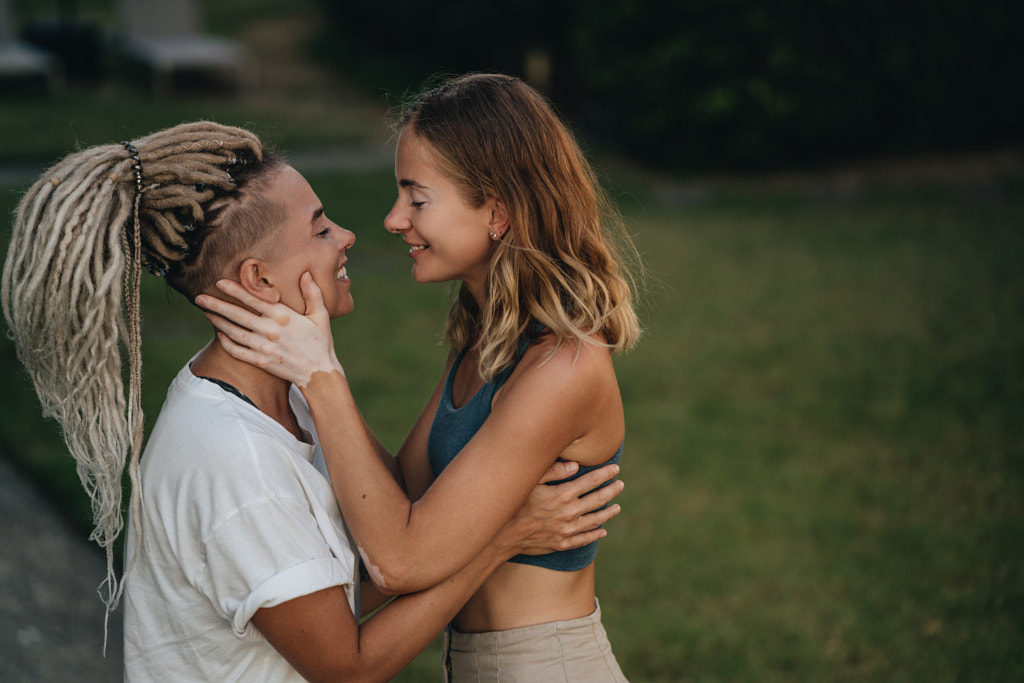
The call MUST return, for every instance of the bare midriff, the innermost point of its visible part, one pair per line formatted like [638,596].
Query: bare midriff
[518,595]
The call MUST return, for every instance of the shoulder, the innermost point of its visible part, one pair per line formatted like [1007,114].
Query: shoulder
[569,358]
[209,437]
[199,413]
[568,395]
[231,466]
[572,368]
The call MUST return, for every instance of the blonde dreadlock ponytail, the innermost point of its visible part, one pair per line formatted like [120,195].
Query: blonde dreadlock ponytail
[70,289]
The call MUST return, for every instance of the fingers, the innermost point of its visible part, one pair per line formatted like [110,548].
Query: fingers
[237,291]
[560,469]
[602,496]
[235,350]
[590,527]
[563,469]
[237,341]
[230,311]
[236,333]
[571,514]
[590,480]
[311,294]
[585,538]
[600,517]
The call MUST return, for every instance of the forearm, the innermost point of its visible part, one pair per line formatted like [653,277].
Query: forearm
[322,639]
[390,462]
[405,627]
[375,507]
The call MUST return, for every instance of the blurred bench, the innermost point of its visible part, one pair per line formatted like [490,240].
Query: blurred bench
[20,61]
[165,36]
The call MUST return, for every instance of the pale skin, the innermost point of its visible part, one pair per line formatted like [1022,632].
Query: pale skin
[560,403]
[317,633]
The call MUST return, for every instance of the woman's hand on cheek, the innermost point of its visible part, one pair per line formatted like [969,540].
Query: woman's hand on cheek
[276,338]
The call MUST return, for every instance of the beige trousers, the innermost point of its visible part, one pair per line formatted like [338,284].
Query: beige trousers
[573,651]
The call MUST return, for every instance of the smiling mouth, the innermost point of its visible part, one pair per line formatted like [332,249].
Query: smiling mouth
[413,248]
[342,274]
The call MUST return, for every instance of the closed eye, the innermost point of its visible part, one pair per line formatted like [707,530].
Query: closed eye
[318,213]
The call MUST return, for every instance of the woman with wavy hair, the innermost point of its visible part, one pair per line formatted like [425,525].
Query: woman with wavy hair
[495,195]
[240,566]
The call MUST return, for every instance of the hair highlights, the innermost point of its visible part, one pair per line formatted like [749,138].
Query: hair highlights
[558,264]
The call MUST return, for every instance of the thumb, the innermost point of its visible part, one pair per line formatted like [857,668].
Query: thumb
[560,469]
[311,295]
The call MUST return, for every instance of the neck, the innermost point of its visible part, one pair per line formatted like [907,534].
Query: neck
[269,393]
[476,290]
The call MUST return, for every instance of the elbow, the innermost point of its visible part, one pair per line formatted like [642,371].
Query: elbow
[398,576]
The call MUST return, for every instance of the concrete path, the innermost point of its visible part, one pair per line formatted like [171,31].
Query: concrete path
[51,617]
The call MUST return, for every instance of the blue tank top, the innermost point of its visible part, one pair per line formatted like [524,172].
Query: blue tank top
[453,428]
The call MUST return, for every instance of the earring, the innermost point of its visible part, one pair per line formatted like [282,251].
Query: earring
[493,236]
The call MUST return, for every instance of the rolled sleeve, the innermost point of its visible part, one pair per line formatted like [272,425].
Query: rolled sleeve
[300,580]
[267,553]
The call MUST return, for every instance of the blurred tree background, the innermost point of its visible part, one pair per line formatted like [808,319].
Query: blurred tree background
[720,84]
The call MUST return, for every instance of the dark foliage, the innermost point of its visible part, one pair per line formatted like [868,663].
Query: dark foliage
[721,83]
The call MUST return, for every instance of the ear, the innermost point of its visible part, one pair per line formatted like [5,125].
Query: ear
[253,275]
[500,219]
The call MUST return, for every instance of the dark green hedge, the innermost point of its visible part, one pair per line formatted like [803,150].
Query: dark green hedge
[722,83]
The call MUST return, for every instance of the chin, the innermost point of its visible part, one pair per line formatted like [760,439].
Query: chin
[344,309]
[423,277]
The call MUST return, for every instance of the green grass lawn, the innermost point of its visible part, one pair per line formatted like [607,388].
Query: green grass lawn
[824,458]
[827,413]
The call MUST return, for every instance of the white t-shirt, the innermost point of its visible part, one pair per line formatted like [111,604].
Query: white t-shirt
[237,515]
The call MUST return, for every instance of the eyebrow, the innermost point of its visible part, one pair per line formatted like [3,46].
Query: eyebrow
[317,212]
[405,182]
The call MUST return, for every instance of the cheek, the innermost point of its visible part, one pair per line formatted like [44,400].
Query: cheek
[294,302]
[328,285]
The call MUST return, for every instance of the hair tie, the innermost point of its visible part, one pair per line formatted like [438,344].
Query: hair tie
[133,154]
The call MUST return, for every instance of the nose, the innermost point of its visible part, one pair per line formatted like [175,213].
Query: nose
[346,238]
[395,222]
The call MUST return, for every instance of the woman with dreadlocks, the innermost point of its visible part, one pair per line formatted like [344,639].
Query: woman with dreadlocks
[240,566]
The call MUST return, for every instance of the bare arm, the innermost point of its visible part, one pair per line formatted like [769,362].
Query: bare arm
[412,456]
[323,641]
[385,456]
[408,546]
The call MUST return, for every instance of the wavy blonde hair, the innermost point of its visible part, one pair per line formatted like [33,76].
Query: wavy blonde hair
[561,261]
[70,292]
